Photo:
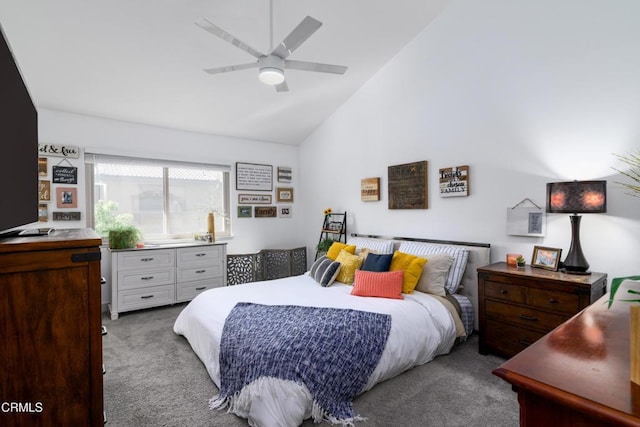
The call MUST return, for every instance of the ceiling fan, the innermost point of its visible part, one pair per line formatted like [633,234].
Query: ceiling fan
[271,67]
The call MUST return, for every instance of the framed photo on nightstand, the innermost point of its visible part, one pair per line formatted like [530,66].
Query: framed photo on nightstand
[547,258]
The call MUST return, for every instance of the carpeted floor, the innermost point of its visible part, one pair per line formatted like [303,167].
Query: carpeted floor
[153,378]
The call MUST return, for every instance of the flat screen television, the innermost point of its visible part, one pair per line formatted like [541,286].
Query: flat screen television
[18,145]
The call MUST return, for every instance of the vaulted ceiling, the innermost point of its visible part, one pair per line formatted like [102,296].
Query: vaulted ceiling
[142,60]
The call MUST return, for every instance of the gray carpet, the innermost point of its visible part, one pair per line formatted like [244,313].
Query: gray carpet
[154,379]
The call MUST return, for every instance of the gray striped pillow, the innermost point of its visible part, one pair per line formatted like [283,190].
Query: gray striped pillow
[324,271]
[456,271]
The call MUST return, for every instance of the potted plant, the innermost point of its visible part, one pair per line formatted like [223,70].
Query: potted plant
[324,245]
[124,236]
[520,262]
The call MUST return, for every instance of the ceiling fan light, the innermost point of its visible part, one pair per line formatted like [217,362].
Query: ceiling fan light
[271,76]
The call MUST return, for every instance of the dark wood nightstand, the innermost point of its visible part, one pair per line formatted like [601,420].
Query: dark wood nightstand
[519,306]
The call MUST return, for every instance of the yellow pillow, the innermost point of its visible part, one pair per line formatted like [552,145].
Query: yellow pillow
[348,265]
[336,247]
[412,267]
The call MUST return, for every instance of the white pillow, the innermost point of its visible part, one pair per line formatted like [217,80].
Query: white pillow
[460,257]
[434,274]
[378,246]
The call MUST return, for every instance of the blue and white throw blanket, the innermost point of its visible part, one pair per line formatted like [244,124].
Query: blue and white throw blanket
[331,351]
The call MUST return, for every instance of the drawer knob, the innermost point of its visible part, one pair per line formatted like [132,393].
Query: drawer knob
[529,318]
[201,271]
[503,291]
[553,300]
[146,296]
[146,259]
[201,254]
[201,288]
[146,278]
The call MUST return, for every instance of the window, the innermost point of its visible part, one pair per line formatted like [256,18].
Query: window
[165,200]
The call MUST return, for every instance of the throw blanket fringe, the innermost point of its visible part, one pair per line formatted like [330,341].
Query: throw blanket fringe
[240,402]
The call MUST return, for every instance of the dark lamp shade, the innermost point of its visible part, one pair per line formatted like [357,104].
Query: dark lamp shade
[577,197]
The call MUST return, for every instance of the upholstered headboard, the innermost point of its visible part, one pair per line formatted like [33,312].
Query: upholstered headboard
[479,255]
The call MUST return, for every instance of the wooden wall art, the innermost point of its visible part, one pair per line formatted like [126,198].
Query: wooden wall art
[454,181]
[370,189]
[408,186]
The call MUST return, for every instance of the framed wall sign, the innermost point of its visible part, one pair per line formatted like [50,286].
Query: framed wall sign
[66,216]
[254,177]
[57,150]
[254,199]
[454,181]
[65,174]
[42,166]
[265,211]
[285,211]
[370,189]
[408,186]
[44,190]
[284,194]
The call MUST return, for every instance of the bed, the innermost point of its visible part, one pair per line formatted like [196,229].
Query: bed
[285,350]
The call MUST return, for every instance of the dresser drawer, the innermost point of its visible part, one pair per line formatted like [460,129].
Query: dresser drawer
[147,297]
[198,273]
[200,255]
[188,291]
[505,291]
[557,301]
[145,278]
[524,316]
[508,339]
[142,259]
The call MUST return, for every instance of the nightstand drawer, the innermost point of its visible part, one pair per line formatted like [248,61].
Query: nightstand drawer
[505,291]
[557,301]
[508,339]
[524,316]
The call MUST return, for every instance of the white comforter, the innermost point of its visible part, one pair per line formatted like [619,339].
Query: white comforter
[422,328]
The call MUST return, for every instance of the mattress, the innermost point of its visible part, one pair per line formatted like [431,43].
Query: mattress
[422,328]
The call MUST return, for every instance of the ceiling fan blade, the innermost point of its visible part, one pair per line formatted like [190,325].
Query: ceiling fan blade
[299,34]
[228,68]
[282,87]
[315,66]
[217,31]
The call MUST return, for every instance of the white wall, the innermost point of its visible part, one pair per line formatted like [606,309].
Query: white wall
[524,93]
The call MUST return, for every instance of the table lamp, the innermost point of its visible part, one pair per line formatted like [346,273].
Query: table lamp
[576,197]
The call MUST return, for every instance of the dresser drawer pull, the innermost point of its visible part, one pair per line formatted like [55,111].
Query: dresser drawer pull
[553,300]
[530,318]
[200,271]
[503,291]
[146,296]
[146,278]
[525,343]
[146,259]
[201,288]
[201,254]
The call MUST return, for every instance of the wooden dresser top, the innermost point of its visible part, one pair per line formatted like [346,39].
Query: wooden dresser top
[583,363]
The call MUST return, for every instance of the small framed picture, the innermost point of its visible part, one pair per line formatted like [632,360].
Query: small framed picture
[66,197]
[244,211]
[285,211]
[547,258]
[284,194]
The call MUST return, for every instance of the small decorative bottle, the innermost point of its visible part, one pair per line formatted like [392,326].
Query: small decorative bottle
[211,227]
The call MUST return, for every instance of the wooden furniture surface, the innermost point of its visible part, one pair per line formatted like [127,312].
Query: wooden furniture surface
[579,374]
[164,274]
[519,306]
[50,330]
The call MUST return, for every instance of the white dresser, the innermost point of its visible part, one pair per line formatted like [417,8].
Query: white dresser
[149,277]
